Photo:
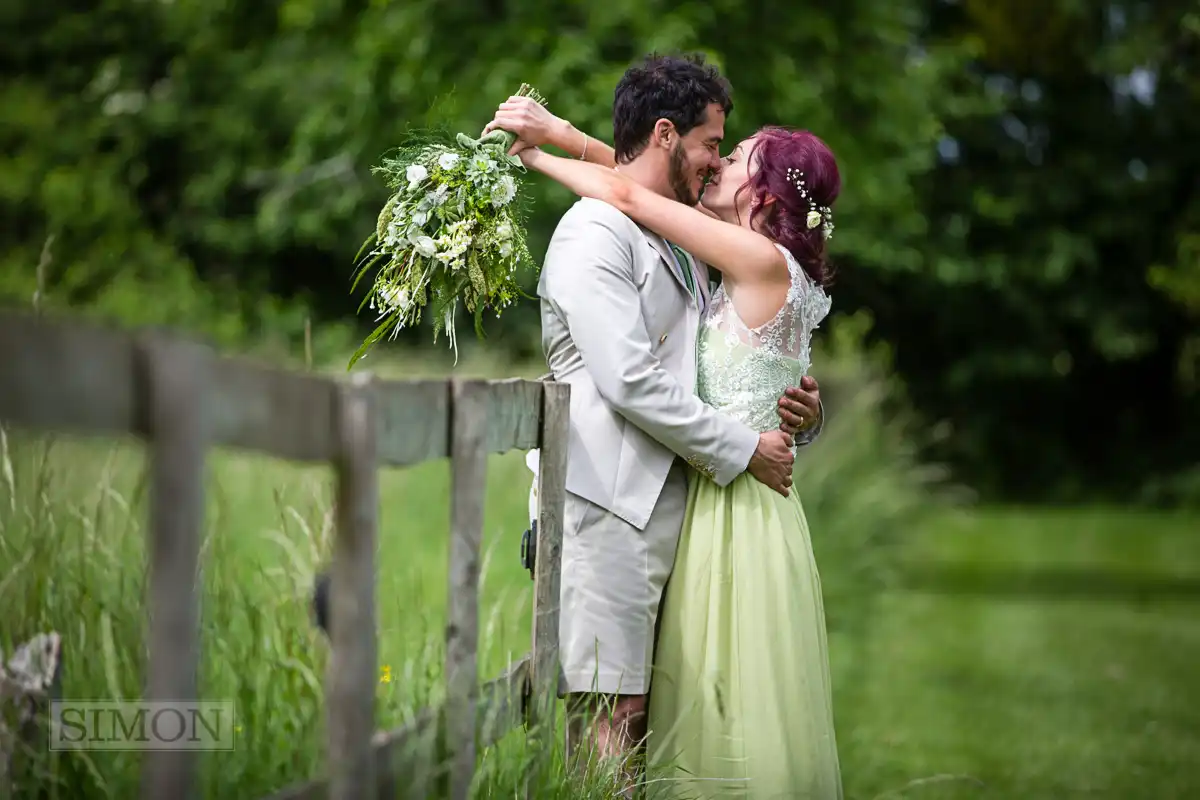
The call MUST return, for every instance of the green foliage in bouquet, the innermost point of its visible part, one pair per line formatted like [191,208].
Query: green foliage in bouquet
[453,232]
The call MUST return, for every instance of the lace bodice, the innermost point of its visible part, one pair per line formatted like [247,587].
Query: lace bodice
[743,371]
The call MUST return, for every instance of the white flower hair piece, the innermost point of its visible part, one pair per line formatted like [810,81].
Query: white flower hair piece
[817,215]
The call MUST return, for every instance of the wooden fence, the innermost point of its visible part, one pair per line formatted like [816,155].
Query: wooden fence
[182,399]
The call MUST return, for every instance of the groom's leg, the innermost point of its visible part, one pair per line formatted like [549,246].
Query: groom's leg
[612,580]
[608,725]
[607,729]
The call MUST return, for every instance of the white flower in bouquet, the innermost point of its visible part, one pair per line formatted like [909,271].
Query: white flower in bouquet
[503,191]
[396,298]
[425,246]
[450,234]
[415,174]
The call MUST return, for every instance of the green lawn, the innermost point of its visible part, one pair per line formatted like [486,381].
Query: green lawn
[1025,654]
[1033,654]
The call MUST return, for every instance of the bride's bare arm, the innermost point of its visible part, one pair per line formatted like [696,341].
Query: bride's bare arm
[739,253]
[535,126]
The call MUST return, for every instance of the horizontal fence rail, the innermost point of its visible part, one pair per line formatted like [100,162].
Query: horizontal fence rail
[87,379]
[182,399]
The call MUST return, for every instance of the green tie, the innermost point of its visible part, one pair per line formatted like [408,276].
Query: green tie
[685,266]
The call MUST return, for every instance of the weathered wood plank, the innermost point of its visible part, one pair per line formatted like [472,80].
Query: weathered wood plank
[67,378]
[401,752]
[468,461]
[514,414]
[414,417]
[352,667]
[172,385]
[552,481]
[501,705]
[77,377]
[263,409]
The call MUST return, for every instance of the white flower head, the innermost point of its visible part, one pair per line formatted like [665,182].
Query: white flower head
[425,246]
[505,248]
[504,191]
[415,174]
[448,161]
[504,231]
[395,297]
[814,219]
[453,243]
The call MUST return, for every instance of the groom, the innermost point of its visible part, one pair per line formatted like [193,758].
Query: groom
[620,310]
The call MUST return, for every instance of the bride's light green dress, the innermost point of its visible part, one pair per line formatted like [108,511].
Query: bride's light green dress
[740,702]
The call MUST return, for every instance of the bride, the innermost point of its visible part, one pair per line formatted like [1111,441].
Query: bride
[741,704]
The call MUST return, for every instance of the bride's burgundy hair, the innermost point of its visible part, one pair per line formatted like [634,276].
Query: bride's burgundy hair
[785,220]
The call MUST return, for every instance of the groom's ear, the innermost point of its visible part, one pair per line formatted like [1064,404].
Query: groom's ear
[664,133]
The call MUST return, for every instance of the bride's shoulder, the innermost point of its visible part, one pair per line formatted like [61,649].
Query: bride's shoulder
[797,274]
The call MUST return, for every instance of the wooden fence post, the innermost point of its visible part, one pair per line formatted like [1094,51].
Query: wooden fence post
[174,406]
[552,479]
[352,666]
[468,462]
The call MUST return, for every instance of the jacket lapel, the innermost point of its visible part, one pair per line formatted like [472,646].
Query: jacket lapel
[703,280]
[669,260]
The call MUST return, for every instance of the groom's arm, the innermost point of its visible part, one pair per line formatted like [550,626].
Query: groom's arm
[589,280]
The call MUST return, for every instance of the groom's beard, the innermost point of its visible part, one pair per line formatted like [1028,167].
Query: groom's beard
[677,177]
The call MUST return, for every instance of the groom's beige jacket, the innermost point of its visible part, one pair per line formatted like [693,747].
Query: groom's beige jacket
[619,326]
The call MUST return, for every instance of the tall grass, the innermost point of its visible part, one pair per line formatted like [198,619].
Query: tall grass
[72,553]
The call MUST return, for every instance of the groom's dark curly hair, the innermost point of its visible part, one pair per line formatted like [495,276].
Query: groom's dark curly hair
[674,87]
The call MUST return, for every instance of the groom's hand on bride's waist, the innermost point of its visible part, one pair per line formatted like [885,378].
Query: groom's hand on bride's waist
[772,461]
[800,406]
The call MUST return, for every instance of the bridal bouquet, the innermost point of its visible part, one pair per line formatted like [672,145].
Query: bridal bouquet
[450,233]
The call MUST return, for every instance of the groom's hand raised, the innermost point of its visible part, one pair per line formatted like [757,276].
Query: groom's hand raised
[772,461]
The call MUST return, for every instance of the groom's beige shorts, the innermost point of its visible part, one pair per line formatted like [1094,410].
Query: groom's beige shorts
[613,576]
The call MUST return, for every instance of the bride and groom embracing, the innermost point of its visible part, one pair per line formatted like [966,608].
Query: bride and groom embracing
[687,400]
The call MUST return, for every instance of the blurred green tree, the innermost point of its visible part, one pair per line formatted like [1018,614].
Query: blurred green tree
[1020,212]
